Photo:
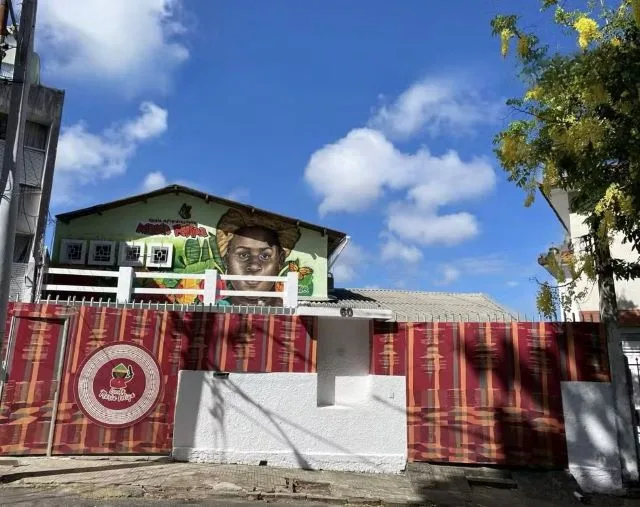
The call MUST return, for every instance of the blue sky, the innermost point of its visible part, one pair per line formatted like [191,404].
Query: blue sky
[375,118]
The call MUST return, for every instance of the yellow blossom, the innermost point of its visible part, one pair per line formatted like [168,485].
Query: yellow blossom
[533,94]
[587,30]
[524,46]
[505,37]
[615,42]
[512,148]
[614,196]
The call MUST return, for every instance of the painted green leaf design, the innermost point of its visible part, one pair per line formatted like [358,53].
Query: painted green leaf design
[213,243]
[206,253]
[192,250]
[180,262]
[305,290]
[169,283]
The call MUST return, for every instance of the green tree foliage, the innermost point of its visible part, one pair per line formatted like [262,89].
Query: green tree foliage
[578,127]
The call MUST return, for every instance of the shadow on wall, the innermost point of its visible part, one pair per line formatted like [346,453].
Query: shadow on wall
[218,400]
[626,304]
[528,411]
[343,360]
[278,428]
[274,419]
[518,416]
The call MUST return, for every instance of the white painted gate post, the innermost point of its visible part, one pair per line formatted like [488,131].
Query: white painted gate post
[210,287]
[125,284]
[290,299]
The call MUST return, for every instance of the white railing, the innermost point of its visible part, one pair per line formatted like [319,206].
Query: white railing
[126,276]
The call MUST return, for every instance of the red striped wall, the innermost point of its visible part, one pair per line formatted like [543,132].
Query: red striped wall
[178,340]
[488,392]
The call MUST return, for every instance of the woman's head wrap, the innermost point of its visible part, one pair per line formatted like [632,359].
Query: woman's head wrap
[235,220]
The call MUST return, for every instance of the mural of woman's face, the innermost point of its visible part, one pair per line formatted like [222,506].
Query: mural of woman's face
[254,251]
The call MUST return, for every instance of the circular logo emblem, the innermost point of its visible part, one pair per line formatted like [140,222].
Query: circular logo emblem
[118,385]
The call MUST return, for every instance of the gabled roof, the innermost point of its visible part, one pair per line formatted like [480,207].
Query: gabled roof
[410,306]
[334,237]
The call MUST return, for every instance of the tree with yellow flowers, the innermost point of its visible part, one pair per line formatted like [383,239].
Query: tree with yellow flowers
[578,129]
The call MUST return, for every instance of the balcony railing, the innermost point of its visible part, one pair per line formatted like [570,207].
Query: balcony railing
[124,290]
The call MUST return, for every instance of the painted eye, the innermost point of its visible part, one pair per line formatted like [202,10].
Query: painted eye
[265,257]
[243,256]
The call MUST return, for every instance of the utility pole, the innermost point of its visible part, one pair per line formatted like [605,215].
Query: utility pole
[9,180]
[622,406]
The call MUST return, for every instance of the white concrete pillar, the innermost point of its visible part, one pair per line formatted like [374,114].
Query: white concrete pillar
[291,290]
[591,432]
[210,287]
[125,284]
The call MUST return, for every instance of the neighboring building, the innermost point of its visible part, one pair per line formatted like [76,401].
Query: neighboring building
[627,291]
[35,172]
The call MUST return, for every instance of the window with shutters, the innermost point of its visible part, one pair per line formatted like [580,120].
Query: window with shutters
[35,134]
[22,247]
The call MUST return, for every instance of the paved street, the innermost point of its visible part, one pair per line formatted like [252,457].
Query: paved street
[145,481]
[58,497]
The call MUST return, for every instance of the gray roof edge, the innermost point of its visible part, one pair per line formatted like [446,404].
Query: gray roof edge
[481,306]
[444,293]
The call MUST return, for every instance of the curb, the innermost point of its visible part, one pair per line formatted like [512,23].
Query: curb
[172,493]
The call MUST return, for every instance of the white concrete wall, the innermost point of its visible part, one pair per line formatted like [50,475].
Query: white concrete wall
[343,361]
[275,417]
[22,281]
[594,458]
[627,292]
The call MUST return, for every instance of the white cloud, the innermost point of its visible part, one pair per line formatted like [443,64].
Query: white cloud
[136,44]
[393,249]
[154,181]
[484,265]
[84,157]
[448,179]
[472,266]
[513,283]
[449,274]
[351,174]
[431,229]
[435,105]
[346,267]
[151,123]
[354,172]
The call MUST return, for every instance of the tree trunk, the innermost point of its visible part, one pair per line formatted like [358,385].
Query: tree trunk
[624,413]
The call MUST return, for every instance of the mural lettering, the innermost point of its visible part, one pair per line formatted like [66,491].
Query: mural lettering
[153,229]
[189,231]
[164,229]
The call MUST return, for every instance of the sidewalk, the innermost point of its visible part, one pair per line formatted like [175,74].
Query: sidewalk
[422,484]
